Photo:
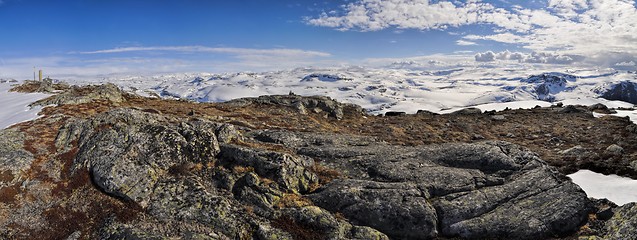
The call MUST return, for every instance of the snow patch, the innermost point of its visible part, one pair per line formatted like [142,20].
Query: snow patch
[14,108]
[620,190]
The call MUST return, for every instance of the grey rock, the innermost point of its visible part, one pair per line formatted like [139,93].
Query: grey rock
[633,165]
[302,104]
[477,137]
[227,133]
[623,91]
[576,151]
[267,232]
[13,157]
[394,114]
[426,113]
[601,108]
[128,156]
[323,222]
[149,228]
[46,86]
[622,224]
[74,236]
[498,117]
[78,95]
[400,210]
[614,149]
[574,109]
[186,200]
[263,197]
[468,111]
[486,190]
[290,172]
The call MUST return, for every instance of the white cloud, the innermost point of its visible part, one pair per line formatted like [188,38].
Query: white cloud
[373,15]
[465,43]
[488,56]
[596,29]
[547,58]
[427,62]
[125,61]
[234,51]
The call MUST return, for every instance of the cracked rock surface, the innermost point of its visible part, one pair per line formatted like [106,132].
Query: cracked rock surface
[491,189]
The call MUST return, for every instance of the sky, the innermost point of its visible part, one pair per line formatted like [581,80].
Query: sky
[100,37]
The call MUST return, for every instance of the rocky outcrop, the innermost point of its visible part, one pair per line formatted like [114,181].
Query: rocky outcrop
[291,173]
[325,78]
[549,84]
[78,95]
[316,104]
[623,91]
[174,170]
[487,190]
[128,151]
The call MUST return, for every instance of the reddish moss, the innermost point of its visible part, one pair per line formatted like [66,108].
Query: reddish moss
[8,194]
[6,176]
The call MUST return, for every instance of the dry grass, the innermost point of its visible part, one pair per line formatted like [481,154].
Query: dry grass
[340,216]
[239,170]
[291,200]
[325,174]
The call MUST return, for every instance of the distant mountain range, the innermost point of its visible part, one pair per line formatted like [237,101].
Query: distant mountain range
[381,90]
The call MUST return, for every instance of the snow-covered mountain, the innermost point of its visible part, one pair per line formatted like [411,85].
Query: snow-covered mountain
[393,89]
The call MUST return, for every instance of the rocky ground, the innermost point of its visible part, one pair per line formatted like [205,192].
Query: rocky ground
[105,164]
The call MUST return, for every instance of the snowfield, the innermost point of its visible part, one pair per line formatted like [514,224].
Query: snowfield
[14,106]
[382,90]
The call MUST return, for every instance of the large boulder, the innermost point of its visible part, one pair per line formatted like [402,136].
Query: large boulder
[290,172]
[128,151]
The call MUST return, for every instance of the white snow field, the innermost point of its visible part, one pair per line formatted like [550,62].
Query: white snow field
[14,106]
[619,190]
[382,90]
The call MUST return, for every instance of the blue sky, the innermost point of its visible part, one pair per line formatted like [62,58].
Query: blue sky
[117,36]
